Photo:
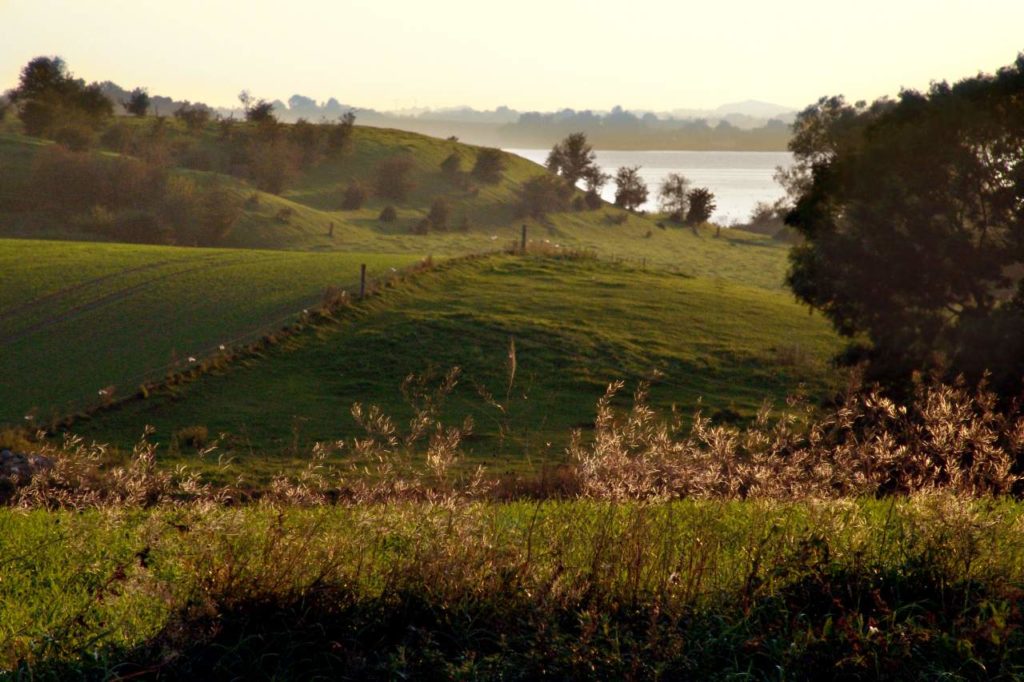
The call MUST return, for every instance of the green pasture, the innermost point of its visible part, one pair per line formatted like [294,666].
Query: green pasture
[574,325]
[79,317]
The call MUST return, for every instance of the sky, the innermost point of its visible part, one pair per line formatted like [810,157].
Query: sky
[541,55]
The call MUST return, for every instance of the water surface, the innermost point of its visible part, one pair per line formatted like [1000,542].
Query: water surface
[739,180]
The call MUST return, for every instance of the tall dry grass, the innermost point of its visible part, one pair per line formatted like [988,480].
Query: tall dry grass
[948,437]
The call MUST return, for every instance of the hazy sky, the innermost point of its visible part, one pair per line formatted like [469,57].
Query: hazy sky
[528,54]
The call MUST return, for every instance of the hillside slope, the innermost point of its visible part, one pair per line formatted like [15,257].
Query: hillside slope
[308,214]
[574,325]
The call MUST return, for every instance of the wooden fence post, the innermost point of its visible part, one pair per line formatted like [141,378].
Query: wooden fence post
[522,248]
[362,281]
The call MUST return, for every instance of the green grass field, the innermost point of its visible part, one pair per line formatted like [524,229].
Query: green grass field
[80,317]
[576,325]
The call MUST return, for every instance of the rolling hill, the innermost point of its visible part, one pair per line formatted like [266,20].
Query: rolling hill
[573,325]
[87,321]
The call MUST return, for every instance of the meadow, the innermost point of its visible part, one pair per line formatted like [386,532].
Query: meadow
[80,317]
[536,341]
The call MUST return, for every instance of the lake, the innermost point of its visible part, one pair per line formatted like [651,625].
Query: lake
[739,180]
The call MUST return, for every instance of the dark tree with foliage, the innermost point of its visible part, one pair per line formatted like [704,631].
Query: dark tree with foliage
[575,159]
[393,177]
[489,166]
[137,103]
[912,213]
[701,205]
[49,98]
[630,188]
[339,134]
[543,194]
[388,215]
[452,165]
[194,116]
[355,197]
[440,214]
[257,110]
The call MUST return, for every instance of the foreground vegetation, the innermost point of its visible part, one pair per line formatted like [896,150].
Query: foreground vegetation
[874,543]
[910,589]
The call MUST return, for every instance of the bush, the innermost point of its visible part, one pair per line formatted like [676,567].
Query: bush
[421,226]
[66,180]
[195,116]
[452,165]
[271,164]
[392,177]
[543,194]
[490,164]
[593,200]
[388,215]
[140,226]
[196,437]
[355,197]
[120,137]
[77,138]
[439,214]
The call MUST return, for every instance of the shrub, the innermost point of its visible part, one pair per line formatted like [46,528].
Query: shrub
[593,200]
[452,165]
[392,177]
[120,137]
[355,197]
[195,116]
[77,138]
[388,215]
[196,437]
[141,226]
[284,214]
[339,135]
[490,164]
[271,164]
[421,226]
[219,210]
[66,180]
[543,194]
[439,214]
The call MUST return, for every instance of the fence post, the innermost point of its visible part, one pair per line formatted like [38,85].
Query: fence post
[522,248]
[362,281]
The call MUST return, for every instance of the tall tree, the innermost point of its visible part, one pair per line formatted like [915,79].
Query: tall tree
[672,195]
[49,98]
[137,103]
[574,159]
[912,211]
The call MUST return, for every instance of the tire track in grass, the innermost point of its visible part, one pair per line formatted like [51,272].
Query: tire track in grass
[119,295]
[81,286]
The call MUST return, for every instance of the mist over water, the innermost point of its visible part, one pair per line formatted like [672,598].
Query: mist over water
[739,179]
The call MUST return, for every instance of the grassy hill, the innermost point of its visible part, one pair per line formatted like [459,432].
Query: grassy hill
[576,325]
[483,215]
[80,317]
